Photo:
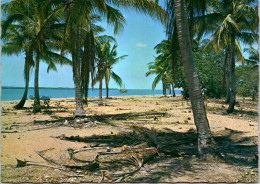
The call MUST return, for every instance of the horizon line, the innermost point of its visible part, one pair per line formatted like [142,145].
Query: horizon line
[16,87]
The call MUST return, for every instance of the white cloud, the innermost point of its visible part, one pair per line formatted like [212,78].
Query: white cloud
[140,44]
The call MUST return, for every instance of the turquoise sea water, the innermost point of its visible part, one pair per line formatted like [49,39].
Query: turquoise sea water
[17,93]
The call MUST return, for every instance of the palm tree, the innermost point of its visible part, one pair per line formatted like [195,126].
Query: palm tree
[15,42]
[161,72]
[106,58]
[231,22]
[35,20]
[206,143]
[111,60]
[167,51]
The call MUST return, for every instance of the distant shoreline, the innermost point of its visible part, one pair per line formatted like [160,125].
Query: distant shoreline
[66,88]
[60,88]
[14,93]
[62,98]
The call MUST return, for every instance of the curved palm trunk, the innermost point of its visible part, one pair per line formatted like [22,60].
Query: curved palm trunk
[206,143]
[77,75]
[173,92]
[100,90]
[27,77]
[36,105]
[232,80]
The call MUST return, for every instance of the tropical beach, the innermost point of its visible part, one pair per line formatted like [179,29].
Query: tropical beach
[129,91]
[24,134]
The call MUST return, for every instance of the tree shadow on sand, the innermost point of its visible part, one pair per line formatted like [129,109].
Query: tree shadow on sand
[178,150]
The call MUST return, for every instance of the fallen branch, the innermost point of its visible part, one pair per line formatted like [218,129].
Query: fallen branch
[89,167]
[50,160]
[21,163]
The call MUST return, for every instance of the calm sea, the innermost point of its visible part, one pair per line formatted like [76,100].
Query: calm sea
[17,93]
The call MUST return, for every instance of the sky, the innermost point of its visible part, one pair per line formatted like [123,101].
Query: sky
[141,33]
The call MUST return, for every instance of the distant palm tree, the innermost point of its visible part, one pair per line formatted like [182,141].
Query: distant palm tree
[167,51]
[106,58]
[112,59]
[161,70]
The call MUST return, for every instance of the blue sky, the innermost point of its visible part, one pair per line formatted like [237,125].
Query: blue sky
[137,40]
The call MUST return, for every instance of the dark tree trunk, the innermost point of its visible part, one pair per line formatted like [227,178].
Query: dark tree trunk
[86,86]
[232,80]
[206,143]
[227,74]
[173,91]
[107,89]
[100,90]
[77,75]
[164,88]
[224,77]
[36,105]
[27,77]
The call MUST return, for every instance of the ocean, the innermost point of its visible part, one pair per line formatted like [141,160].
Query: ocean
[9,94]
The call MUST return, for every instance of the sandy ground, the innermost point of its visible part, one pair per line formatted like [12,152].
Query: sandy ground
[236,134]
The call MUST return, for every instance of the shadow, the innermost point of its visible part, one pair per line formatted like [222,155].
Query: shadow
[177,150]
[250,113]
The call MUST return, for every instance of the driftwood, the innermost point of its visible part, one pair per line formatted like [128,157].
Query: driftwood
[50,160]
[21,163]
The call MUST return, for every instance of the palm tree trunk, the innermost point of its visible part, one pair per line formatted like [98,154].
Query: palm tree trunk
[232,66]
[37,105]
[173,92]
[100,90]
[170,92]
[206,143]
[77,74]
[164,88]
[107,89]
[227,74]
[27,77]
[224,76]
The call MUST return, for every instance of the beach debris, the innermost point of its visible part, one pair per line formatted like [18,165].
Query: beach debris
[186,121]
[249,120]
[77,120]
[189,118]
[66,122]
[251,124]
[4,136]
[240,115]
